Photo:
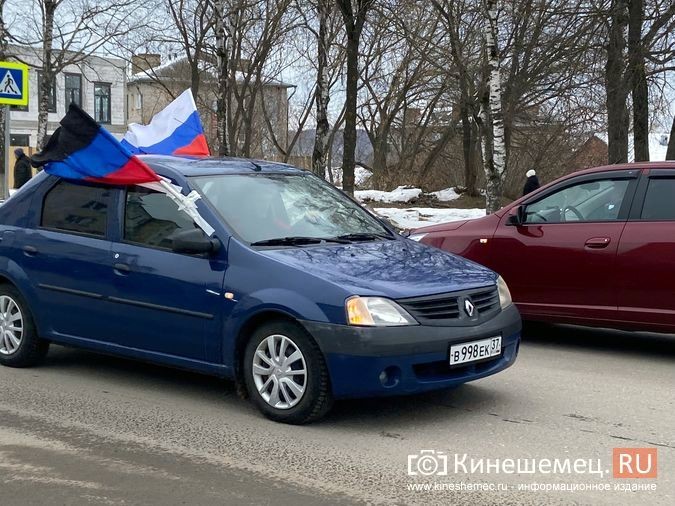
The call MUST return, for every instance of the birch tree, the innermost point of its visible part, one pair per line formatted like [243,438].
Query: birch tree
[491,117]
[48,71]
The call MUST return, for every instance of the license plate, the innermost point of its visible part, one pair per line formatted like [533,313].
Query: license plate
[475,350]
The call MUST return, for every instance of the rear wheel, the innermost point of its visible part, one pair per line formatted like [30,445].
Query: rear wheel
[286,374]
[20,345]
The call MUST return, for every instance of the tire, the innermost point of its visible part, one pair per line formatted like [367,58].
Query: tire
[20,345]
[289,406]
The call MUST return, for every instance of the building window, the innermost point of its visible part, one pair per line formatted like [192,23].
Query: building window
[19,140]
[102,102]
[73,89]
[51,103]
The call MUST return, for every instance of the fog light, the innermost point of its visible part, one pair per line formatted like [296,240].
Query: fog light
[390,376]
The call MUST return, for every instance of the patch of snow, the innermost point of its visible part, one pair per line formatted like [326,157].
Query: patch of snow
[446,195]
[361,175]
[416,217]
[400,194]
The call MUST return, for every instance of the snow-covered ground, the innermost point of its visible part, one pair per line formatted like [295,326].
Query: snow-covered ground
[400,194]
[403,194]
[416,217]
[446,195]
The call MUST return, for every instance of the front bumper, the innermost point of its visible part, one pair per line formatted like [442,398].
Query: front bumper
[414,358]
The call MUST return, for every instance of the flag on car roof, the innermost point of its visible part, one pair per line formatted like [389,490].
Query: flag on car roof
[80,149]
[175,130]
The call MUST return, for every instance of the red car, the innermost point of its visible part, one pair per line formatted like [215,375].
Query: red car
[595,248]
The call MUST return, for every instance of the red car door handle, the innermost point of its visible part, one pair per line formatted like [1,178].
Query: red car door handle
[598,242]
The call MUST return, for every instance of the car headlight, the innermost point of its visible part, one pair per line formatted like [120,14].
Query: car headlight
[504,293]
[417,237]
[376,312]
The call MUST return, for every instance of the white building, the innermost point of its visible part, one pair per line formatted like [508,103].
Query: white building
[96,83]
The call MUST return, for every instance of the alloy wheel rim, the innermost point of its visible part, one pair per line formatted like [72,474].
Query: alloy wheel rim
[11,325]
[279,371]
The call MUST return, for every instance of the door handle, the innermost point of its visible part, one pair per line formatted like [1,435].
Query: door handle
[30,250]
[598,242]
[122,268]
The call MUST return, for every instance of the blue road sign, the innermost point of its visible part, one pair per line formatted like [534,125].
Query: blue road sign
[13,83]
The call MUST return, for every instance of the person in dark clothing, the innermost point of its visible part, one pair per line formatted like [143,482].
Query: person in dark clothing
[532,182]
[22,169]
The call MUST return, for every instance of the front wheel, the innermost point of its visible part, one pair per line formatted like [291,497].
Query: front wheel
[20,345]
[286,374]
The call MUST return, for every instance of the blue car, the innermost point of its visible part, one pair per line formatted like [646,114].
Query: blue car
[300,295]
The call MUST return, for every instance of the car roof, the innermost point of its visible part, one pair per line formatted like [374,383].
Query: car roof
[668,164]
[208,166]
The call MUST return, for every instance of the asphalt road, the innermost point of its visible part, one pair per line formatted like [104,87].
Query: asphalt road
[85,428]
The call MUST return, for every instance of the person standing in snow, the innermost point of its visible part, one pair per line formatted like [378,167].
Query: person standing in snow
[22,170]
[532,182]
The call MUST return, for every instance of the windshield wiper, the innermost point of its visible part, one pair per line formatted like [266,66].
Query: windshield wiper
[298,241]
[364,236]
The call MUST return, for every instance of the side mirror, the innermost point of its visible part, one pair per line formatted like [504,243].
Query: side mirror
[518,218]
[193,242]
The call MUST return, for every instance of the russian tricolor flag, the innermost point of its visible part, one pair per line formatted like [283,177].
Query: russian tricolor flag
[176,130]
[80,149]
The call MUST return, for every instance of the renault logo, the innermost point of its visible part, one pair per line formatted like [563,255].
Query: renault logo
[469,307]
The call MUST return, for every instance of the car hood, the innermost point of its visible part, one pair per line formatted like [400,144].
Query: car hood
[396,269]
[443,227]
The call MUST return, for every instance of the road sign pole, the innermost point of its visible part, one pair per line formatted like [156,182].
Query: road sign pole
[13,91]
[7,154]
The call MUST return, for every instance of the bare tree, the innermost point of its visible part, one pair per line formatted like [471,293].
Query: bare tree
[193,20]
[320,154]
[407,93]
[460,50]
[626,70]
[354,13]
[223,73]
[68,33]
[258,33]
[638,80]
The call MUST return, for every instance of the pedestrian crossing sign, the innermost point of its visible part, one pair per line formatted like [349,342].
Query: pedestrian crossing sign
[13,83]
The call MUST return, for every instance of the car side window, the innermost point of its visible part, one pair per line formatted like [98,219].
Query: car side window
[659,200]
[76,208]
[151,218]
[599,200]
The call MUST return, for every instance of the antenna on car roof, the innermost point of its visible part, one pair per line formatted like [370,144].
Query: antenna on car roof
[256,167]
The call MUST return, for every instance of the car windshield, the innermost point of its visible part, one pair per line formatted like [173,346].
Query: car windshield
[266,207]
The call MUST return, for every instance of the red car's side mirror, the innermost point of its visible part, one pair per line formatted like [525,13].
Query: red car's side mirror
[518,218]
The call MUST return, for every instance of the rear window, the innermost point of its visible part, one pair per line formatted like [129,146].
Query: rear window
[76,208]
[659,200]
